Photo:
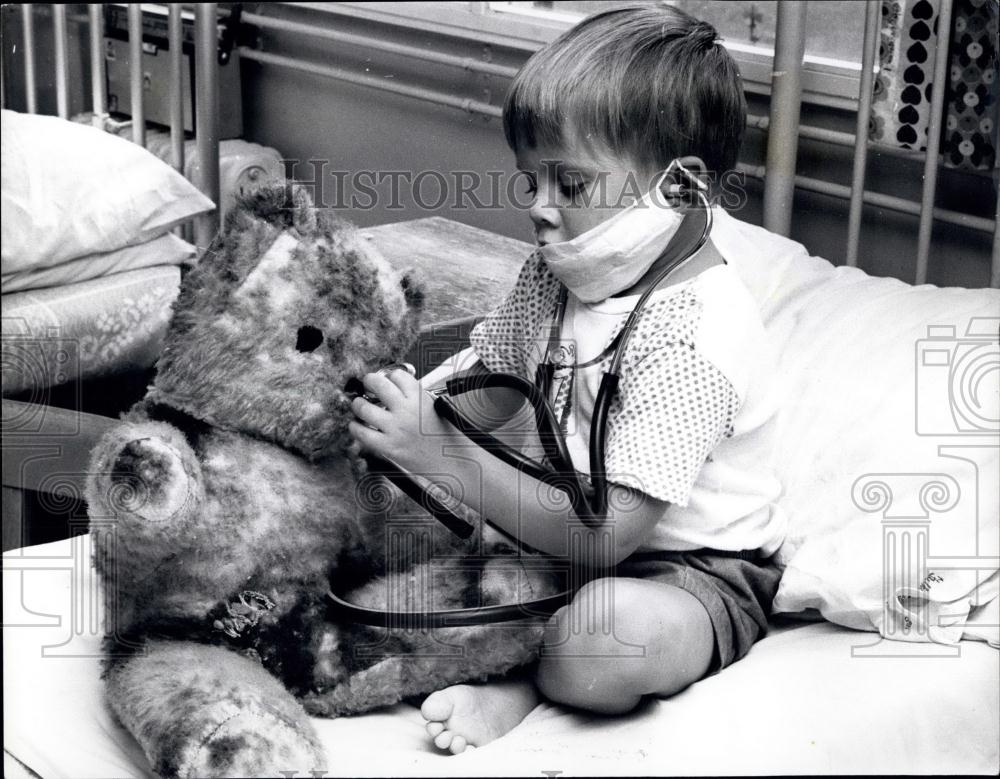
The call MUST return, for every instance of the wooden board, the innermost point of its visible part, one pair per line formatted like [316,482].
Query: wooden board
[466,271]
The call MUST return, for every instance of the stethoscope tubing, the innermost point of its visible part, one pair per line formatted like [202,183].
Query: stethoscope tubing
[589,504]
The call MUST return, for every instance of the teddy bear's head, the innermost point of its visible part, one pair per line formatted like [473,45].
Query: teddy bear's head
[284,309]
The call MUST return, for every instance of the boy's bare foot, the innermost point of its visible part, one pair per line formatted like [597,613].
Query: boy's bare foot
[467,715]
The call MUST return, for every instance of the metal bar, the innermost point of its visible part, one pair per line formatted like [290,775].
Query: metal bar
[890,202]
[135,72]
[933,141]
[175,32]
[995,259]
[786,101]
[872,22]
[428,55]
[847,140]
[99,90]
[3,81]
[206,35]
[430,96]
[61,41]
[28,24]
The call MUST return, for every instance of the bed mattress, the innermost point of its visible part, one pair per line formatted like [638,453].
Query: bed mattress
[804,701]
[84,330]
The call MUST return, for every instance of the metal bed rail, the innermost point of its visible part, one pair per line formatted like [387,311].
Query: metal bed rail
[782,125]
[778,186]
[206,176]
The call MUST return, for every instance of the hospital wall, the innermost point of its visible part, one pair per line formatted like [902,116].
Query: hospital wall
[348,134]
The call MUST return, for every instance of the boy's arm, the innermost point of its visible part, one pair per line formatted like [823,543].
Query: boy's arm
[486,409]
[535,513]
[542,517]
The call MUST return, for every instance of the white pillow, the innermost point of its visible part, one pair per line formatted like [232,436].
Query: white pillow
[168,249]
[889,439]
[69,190]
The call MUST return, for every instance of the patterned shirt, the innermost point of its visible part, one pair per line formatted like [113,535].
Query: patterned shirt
[692,413]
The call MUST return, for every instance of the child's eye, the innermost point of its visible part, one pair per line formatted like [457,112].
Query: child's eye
[572,188]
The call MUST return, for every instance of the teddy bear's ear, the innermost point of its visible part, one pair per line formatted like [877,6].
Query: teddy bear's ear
[283,203]
[413,288]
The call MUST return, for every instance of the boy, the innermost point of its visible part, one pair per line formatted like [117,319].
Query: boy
[691,524]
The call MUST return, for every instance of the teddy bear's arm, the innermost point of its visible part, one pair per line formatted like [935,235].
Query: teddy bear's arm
[145,475]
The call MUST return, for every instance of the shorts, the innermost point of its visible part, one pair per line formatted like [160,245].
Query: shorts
[736,589]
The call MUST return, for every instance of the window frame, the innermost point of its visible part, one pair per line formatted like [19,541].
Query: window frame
[827,82]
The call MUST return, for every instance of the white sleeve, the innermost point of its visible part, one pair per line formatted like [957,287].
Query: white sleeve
[675,408]
[501,340]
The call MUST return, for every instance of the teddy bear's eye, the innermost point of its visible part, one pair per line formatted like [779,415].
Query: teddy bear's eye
[308,339]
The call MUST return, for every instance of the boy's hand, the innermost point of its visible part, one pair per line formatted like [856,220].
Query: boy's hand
[406,431]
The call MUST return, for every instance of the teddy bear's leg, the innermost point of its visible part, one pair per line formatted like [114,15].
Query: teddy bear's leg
[206,711]
[482,652]
[420,661]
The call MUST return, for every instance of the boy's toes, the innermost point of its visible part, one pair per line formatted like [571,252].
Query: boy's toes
[458,745]
[438,707]
[434,729]
[443,739]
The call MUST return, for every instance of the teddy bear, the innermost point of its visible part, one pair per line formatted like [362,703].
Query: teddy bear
[235,503]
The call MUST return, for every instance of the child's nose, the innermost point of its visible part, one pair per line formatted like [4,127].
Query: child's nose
[544,211]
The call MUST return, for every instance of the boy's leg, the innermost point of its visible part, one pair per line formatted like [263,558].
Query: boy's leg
[621,639]
[618,640]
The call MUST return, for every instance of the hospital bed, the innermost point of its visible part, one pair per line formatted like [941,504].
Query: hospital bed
[881,492]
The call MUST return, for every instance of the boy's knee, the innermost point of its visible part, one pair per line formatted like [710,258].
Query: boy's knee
[607,618]
[595,649]
[585,683]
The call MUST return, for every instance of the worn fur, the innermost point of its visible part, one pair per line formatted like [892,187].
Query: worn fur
[233,509]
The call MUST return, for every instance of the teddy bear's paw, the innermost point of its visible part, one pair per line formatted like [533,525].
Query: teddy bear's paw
[148,481]
[255,742]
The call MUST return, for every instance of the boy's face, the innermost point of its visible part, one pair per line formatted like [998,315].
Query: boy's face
[579,184]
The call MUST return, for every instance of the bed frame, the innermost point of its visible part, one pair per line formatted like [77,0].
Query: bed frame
[45,448]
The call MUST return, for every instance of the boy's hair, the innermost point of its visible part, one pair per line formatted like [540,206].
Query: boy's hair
[651,81]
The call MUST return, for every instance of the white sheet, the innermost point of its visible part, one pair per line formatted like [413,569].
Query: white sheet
[799,703]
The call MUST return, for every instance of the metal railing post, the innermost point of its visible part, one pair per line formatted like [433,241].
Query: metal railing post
[786,101]
[938,89]
[207,117]
[61,41]
[872,20]
[95,11]
[995,258]
[175,33]
[135,73]
[28,25]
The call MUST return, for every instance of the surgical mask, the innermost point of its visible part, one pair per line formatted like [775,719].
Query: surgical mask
[615,254]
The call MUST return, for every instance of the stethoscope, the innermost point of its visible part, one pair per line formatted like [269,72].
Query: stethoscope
[588,495]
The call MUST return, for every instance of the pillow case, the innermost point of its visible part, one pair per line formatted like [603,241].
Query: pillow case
[888,439]
[69,190]
[168,249]
[86,330]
